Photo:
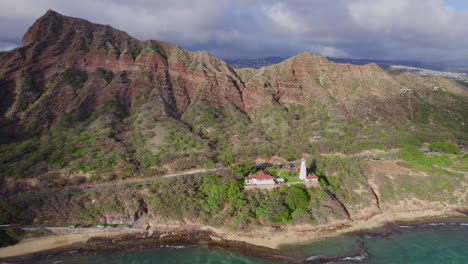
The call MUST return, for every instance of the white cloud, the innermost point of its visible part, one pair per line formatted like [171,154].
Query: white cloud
[283,17]
[6,46]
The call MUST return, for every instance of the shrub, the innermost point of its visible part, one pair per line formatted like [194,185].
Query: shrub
[444,147]
[297,197]
[244,168]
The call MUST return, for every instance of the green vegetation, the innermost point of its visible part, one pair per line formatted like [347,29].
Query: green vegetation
[460,163]
[444,147]
[5,239]
[156,48]
[292,179]
[416,158]
[10,213]
[354,88]
[151,135]
[244,168]
[220,200]
[74,77]
[438,185]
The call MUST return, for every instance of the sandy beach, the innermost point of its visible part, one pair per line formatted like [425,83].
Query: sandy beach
[261,237]
[33,245]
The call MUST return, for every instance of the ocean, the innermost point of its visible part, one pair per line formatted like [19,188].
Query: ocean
[422,243]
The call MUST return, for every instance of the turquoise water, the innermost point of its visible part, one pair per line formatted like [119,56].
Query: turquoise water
[427,243]
[195,255]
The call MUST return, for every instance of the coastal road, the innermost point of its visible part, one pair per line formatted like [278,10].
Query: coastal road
[145,181]
[112,185]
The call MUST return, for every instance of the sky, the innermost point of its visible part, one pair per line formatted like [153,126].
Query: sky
[418,30]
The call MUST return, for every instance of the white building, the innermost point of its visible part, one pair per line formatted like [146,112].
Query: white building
[303,171]
[312,178]
[261,178]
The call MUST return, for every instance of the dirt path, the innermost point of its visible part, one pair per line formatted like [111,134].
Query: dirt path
[109,186]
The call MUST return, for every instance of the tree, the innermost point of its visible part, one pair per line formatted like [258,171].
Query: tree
[274,209]
[302,216]
[244,169]
[297,197]
[235,196]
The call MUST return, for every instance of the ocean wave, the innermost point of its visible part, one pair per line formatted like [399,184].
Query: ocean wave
[313,258]
[70,252]
[55,262]
[436,224]
[403,226]
[170,246]
[361,257]
[464,224]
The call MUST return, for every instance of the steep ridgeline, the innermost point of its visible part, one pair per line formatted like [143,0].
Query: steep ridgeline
[79,97]
[67,63]
[351,91]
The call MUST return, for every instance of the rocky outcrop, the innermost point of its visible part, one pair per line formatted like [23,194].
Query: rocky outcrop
[180,78]
[55,43]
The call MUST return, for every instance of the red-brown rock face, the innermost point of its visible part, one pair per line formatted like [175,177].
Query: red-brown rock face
[117,65]
[56,43]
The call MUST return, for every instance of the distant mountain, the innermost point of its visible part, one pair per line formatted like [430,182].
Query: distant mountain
[253,63]
[386,64]
[451,71]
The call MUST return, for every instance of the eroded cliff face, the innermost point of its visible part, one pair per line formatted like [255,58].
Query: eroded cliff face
[113,64]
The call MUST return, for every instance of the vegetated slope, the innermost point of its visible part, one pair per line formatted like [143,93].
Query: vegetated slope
[254,63]
[351,190]
[86,102]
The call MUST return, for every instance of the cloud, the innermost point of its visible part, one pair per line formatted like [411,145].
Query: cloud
[6,46]
[280,14]
[430,30]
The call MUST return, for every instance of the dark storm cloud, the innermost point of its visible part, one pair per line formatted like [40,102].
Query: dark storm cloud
[386,29]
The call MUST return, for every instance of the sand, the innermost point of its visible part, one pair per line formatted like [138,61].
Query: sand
[33,245]
[261,237]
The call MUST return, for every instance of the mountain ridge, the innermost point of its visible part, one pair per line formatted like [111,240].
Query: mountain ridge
[86,105]
[151,102]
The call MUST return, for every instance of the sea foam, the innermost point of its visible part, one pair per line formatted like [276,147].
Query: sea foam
[403,226]
[361,257]
[436,224]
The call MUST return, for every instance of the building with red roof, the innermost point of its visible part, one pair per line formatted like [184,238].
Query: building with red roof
[312,178]
[261,178]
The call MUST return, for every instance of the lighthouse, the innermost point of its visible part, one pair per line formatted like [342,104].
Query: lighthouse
[303,171]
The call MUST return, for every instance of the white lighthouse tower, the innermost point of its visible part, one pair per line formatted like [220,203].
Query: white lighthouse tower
[303,171]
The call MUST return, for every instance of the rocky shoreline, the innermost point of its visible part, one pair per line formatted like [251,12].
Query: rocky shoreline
[144,240]
[196,238]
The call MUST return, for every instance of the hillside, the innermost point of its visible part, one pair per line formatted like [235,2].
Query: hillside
[253,63]
[79,97]
[88,105]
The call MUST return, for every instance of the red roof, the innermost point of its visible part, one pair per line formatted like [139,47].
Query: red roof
[261,175]
[312,177]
